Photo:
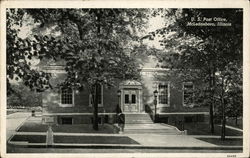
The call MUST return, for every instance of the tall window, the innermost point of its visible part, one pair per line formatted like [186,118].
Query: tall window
[100,96]
[188,94]
[66,97]
[163,94]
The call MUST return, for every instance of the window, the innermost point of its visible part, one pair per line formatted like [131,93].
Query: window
[100,120]
[67,97]
[188,119]
[100,96]
[67,120]
[188,94]
[163,94]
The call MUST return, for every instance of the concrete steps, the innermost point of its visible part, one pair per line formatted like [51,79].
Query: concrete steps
[156,128]
[138,119]
[151,131]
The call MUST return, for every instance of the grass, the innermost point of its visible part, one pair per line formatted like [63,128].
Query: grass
[35,125]
[231,122]
[226,142]
[30,138]
[10,112]
[204,129]
[94,139]
[83,128]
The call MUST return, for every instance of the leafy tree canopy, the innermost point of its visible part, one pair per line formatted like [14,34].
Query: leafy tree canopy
[20,52]
[199,47]
[98,45]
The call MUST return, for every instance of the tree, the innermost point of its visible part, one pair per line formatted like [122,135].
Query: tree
[235,104]
[230,93]
[20,53]
[96,44]
[22,96]
[208,49]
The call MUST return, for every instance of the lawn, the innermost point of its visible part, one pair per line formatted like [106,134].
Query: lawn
[30,138]
[226,142]
[204,129]
[83,128]
[231,122]
[94,139]
[10,112]
[34,124]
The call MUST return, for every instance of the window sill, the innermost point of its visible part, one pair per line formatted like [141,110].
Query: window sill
[66,105]
[189,105]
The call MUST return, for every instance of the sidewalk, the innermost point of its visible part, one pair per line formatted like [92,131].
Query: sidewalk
[14,121]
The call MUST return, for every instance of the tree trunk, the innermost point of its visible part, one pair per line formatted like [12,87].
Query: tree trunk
[223,127]
[211,107]
[211,118]
[236,120]
[95,108]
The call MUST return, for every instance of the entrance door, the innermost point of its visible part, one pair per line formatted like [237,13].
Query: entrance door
[130,100]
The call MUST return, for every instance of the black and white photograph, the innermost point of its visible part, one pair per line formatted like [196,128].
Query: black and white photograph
[124,80]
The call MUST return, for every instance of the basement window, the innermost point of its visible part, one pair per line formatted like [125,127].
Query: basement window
[67,120]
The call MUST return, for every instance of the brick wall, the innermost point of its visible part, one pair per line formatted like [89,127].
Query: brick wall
[150,79]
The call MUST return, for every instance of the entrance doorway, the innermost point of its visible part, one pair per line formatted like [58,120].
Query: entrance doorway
[131,96]
[130,100]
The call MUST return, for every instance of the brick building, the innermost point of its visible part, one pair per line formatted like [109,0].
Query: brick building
[175,99]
